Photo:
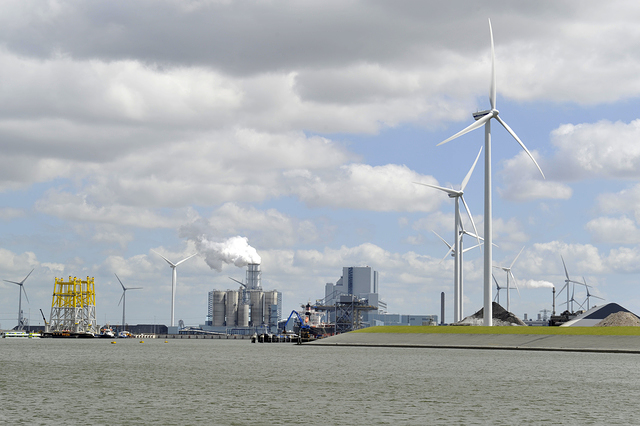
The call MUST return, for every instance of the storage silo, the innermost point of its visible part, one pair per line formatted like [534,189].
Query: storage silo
[218,308]
[243,315]
[257,299]
[270,299]
[231,304]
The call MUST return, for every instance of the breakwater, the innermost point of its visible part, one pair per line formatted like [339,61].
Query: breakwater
[530,342]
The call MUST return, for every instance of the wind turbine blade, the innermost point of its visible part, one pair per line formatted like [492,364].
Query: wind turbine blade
[471,127]
[12,282]
[168,261]
[186,258]
[565,269]
[506,126]
[25,278]
[471,248]
[563,287]
[514,260]
[496,281]
[441,188]
[515,283]
[25,292]
[441,239]
[475,230]
[492,89]
[120,281]
[597,297]
[468,176]
[121,297]
[135,288]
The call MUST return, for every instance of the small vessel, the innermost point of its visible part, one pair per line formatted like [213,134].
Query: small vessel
[106,332]
[20,334]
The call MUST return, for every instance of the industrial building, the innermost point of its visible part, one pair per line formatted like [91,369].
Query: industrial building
[247,310]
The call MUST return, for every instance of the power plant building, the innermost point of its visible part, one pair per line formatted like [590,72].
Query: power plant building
[359,281]
[247,310]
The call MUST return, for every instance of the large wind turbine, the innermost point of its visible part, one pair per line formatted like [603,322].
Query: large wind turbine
[123,299]
[22,290]
[173,282]
[510,273]
[457,268]
[484,118]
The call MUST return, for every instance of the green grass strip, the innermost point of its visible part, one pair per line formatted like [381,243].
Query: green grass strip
[569,331]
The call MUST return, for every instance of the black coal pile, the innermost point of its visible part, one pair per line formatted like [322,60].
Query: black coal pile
[500,317]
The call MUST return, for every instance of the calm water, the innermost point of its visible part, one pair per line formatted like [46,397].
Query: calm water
[225,382]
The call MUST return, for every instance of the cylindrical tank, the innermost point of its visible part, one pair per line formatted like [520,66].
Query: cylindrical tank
[254,280]
[243,315]
[270,298]
[257,299]
[231,304]
[217,315]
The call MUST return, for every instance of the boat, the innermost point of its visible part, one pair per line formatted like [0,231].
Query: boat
[20,334]
[106,333]
[66,334]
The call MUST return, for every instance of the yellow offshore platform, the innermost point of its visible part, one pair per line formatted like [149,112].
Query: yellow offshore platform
[73,309]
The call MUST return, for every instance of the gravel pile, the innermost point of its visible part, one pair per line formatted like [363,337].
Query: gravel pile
[500,317]
[620,319]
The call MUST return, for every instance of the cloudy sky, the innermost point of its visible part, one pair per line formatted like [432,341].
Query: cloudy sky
[177,126]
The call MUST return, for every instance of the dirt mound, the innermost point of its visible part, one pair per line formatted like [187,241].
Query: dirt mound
[500,317]
[620,319]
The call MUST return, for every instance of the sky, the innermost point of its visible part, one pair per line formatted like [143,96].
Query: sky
[292,132]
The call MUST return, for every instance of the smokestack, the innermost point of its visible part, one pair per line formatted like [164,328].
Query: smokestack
[553,311]
[254,280]
[442,308]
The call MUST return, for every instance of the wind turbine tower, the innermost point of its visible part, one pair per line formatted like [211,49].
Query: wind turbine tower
[457,195]
[173,282]
[22,290]
[123,299]
[484,118]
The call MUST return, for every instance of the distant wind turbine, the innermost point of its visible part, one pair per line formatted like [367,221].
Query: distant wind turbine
[457,195]
[173,282]
[510,273]
[484,118]
[123,299]
[586,286]
[22,290]
[567,283]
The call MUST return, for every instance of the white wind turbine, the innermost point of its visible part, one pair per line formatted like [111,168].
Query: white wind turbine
[123,299]
[586,286]
[173,281]
[510,273]
[567,283]
[498,288]
[457,195]
[460,275]
[22,290]
[484,118]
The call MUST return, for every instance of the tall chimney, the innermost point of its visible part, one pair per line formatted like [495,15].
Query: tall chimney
[553,311]
[442,308]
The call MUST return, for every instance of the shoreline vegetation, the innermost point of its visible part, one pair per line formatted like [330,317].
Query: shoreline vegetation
[456,329]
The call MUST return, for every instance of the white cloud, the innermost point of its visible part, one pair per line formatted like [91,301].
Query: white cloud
[360,186]
[620,230]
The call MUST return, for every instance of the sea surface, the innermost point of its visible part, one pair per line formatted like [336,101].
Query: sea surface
[235,382]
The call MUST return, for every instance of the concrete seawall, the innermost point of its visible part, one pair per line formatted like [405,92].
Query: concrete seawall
[530,342]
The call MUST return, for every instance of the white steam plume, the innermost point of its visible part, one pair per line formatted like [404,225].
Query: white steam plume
[236,250]
[537,284]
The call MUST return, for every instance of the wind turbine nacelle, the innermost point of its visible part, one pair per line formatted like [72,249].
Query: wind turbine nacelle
[478,115]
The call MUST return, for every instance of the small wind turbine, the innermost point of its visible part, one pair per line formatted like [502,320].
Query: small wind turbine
[498,288]
[567,283]
[123,299]
[484,118]
[510,273]
[174,277]
[586,286]
[457,269]
[22,290]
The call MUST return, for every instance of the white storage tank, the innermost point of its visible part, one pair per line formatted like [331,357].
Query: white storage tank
[218,311]
[243,315]
[231,304]
[256,298]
